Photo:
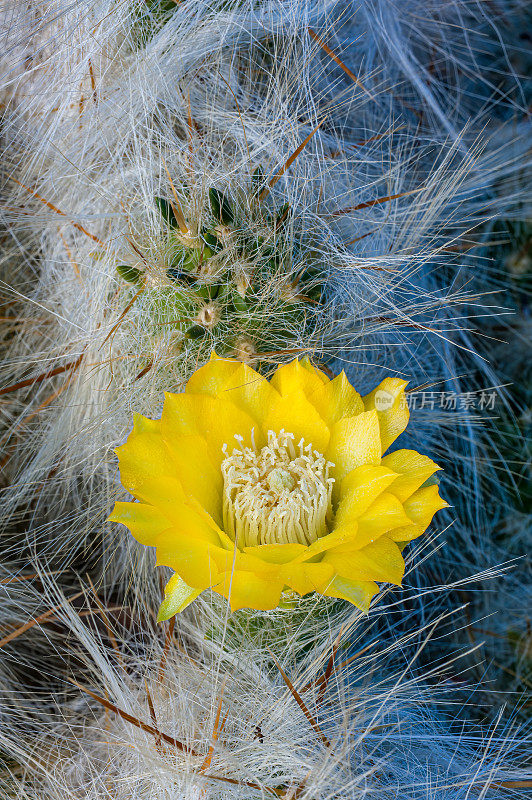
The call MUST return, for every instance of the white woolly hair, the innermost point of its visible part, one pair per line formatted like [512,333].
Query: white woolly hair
[309,703]
[397,133]
[384,196]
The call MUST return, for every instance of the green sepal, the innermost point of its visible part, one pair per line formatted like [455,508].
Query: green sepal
[220,206]
[179,256]
[129,274]
[162,6]
[222,288]
[187,259]
[170,304]
[177,596]
[312,283]
[167,212]
[192,260]
[193,257]
[289,600]
[315,292]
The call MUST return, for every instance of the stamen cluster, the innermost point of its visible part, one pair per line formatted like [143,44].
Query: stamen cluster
[280,494]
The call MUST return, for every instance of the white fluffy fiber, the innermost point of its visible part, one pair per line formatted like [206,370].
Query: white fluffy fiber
[256,84]
[370,730]
[99,99]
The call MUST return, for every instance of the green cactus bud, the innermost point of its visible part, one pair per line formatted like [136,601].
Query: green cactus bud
[206,252]
[191,260]
[266,250]
[129,274]
[289,600]
[311,282]
[221,207]
[162,6]
[203,291]
[169,303]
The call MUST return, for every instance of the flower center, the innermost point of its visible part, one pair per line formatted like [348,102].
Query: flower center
[280,494]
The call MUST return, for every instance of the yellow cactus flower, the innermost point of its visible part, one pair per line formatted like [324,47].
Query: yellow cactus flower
[253,487]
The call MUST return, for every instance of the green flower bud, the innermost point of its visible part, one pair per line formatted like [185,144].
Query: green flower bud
[179,276]
[209,291]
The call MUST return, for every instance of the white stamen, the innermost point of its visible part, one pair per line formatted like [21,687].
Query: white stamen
[278,495]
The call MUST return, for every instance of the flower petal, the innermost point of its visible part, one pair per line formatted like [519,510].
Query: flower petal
[177,596]
[385,514]
[359,593]
[307,364]
[276,553]
[295,414]
[353,533]
[147,469]
[388,398]
[338,537]
[235,382]
[333,400]
[420,508]
[190,556]
[145,522]
[294,377]
[379,561]
[413,470]
[196,472]
[337,399]
[149,472]
[306,578]
[354,441]
[248,590]
[359,489]
[212,376]
[217,420]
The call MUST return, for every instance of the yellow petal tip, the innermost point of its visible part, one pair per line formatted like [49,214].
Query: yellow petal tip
[177,596]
